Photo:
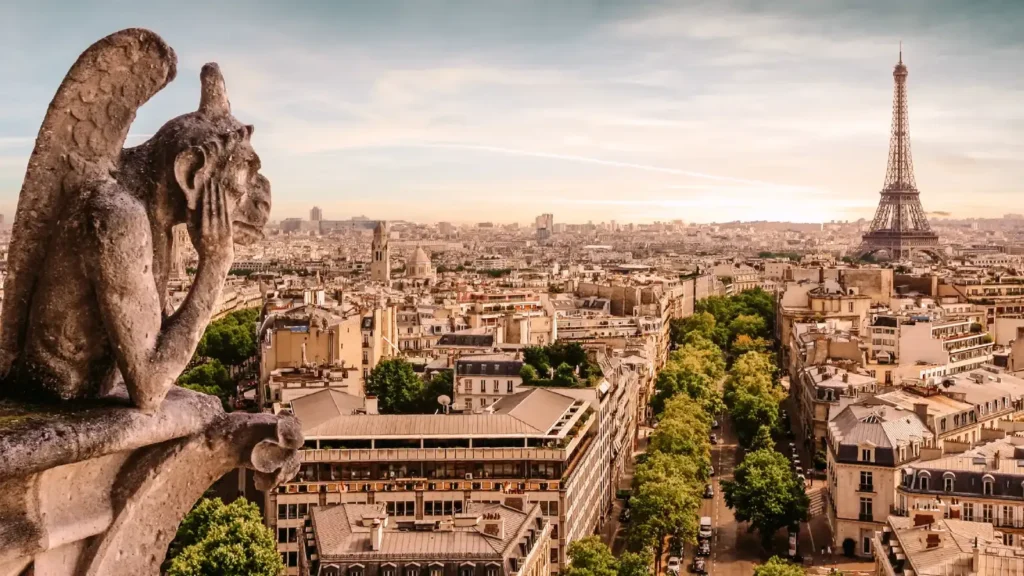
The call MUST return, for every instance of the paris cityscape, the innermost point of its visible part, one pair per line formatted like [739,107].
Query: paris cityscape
[512,312]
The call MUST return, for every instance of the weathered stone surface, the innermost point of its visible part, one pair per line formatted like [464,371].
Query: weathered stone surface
[115,512]
[90,251]
[38,437]
[100,455]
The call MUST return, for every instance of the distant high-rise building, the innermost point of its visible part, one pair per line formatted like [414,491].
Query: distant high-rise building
[316,214]
[380,264]
[445,228]
[544,221]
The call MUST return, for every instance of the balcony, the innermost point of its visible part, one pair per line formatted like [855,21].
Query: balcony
[866,488]
[866,517]
[897,511]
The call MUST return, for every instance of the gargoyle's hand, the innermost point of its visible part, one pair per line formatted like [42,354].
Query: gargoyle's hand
[215,242]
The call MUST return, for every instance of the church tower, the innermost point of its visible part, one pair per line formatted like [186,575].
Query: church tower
[380,263]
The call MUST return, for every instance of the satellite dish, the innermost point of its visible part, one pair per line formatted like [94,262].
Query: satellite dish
[444,400]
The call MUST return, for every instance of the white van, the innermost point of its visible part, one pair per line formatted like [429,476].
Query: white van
[705,527]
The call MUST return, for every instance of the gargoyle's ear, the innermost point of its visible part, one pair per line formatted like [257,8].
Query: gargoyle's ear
[188,168]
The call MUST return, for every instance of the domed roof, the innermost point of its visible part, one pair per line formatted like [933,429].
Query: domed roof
[420,257]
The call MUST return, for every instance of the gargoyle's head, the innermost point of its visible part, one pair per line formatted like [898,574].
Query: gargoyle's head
[210,144]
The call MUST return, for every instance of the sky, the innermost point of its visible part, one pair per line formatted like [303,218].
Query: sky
[628,111]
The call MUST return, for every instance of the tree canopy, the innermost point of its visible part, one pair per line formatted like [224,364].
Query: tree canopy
[232,339]
[591,557]
[765,492]
[224,539]
[776,566]
[561,364]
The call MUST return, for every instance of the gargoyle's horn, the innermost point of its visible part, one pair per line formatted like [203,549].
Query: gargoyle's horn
[214,100]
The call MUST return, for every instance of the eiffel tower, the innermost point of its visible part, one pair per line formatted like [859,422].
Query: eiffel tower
[900,226]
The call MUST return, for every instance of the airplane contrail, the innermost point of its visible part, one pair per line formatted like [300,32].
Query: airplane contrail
[602,162]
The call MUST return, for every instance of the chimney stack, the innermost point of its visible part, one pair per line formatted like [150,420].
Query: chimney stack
[376,535]
[921,409]
[370,404]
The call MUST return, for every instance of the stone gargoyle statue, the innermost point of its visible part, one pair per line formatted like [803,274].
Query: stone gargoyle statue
[95,477]
[90,253]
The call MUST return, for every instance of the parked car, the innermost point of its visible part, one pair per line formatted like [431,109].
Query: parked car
[673,565]
[711,471]
[715,424]
[625,515]
[714,439]
[704,548]
[699,566]
[705,528]
[709,491]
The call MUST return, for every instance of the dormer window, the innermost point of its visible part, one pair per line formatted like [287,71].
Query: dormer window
[947,482]
[922,483]
[987,483]
[865,455]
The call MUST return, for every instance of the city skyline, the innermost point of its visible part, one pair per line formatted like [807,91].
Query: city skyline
[639,112]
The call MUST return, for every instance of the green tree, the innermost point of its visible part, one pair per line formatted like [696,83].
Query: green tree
[528,373]
[232,339]
[702,324]
[439,384]
[749,324]
[397,387]
[565,376]
[751,412]
[744,343]
[636,563]
[662,509]
[590,557]
[226,540]
[537,357]
[766,493]
[763,439]
[776,566]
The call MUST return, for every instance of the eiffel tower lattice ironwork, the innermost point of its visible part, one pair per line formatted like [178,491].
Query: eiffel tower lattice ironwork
[900,226]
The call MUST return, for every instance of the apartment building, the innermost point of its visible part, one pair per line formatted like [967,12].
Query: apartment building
[873,442]
[821,392]
[983,484]
[365,540]
[867,447]
[483,379]
[928,545]
[556,448]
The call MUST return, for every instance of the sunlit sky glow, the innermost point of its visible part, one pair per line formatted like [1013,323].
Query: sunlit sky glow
[627,111]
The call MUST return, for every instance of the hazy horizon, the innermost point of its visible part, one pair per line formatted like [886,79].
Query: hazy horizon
[488,111]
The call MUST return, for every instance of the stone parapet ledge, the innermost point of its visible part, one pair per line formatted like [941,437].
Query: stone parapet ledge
[99,487]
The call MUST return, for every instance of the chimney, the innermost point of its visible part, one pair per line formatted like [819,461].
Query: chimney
[923,519]
[370,404]
[846,377]
[921,409]
[932,540]
[995,460]
[376,535]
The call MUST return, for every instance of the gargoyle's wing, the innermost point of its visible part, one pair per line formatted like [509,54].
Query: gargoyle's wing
[81,138]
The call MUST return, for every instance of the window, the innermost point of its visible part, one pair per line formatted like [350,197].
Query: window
[402,508]
[554,555]
[509,390]
[866,512]
[355,571]
[495,387]
[436,570]
[549,508]
[1008,539]
[413,570]
[866,481]
[492,570]
[483,402]
[986,513]
[850,308]
[483,386]
[1007,515]
[947,483]
[465,571]
[387,570]
[987,486]
[866,547]
[923,483]
[282,511]
[282,535]
[942,424]
[865,455]
[293,559]
[968,511]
